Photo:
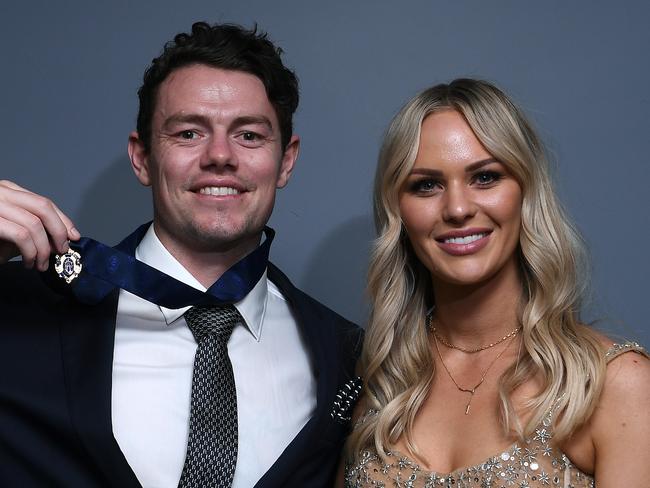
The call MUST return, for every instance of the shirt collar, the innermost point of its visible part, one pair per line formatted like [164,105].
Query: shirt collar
[152,252]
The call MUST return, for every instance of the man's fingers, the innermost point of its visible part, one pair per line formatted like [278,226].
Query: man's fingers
[13,186]
[16,240]
[32,225]
[57,226]
[73,233]
[28,234]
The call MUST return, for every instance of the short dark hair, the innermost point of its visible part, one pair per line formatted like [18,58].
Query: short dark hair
[230,47]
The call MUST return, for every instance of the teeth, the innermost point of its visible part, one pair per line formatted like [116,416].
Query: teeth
[218,191]
[466,239]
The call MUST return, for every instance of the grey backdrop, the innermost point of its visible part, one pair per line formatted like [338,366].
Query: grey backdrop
[580,69]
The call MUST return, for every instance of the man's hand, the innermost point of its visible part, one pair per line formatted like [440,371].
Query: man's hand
[31,226]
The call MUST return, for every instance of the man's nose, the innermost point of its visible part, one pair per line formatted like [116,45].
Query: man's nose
[219,151]
[458,203]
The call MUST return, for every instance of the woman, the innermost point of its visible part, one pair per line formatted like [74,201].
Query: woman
[477,370]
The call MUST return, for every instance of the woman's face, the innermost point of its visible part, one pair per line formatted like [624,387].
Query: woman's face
[461,207]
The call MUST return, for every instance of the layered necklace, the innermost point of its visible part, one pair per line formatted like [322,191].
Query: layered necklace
[473,389]
[477,349]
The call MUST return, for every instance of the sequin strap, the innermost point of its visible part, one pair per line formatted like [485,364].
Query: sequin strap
[618,349]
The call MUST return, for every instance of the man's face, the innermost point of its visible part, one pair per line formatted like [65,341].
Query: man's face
[215,162]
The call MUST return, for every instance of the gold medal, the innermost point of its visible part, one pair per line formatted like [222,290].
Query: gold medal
[68,266]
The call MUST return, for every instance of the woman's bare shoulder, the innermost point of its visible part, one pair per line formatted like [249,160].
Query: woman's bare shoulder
[627,375]
[628,371]
[620,425]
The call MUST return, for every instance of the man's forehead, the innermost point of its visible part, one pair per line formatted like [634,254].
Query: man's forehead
[203,89]
[215,81]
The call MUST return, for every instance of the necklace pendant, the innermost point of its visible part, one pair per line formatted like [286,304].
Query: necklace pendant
[472,390]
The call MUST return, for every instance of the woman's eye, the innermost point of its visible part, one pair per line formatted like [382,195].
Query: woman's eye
[424,186]
[485,178]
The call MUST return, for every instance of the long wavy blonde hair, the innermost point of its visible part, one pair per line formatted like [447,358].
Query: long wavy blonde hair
[397,363]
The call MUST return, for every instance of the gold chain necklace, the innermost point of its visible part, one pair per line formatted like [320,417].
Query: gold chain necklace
[471,391]
[470,351]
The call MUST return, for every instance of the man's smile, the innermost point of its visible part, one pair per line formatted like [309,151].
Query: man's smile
[218,191]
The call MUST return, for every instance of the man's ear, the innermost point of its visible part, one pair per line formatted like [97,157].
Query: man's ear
[288,160]
[139,159]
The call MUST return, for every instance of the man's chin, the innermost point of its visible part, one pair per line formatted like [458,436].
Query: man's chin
[219,239]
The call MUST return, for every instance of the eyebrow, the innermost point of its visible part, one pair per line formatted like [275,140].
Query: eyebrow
[203,120]
[469,169]
[480,164]
[184,119]
[253,119]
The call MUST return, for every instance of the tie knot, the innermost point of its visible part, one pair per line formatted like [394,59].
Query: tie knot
[218,321]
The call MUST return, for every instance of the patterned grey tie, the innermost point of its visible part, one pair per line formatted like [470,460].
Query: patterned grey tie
[212,444]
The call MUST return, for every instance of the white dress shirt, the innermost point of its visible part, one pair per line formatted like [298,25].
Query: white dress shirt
[152,378]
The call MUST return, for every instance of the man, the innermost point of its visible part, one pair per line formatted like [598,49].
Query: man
[119,390]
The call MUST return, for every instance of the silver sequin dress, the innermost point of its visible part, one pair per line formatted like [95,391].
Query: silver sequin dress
[532,463]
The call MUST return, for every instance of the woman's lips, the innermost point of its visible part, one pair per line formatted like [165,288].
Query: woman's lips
[461,245]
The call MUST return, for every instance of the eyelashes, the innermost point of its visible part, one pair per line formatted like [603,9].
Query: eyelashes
[486,178]
[426,185]
[423,185]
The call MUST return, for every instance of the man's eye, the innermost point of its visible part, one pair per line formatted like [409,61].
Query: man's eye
[251,139]
[250,136]
[188,134]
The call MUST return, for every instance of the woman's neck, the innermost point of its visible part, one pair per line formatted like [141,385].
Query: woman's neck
[471,316]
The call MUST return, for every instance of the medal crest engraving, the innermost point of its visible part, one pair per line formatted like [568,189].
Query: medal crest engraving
[68,266]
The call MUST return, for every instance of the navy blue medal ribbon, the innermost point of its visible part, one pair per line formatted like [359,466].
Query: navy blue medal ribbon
[106,268]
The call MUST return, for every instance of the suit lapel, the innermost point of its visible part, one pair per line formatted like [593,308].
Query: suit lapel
[321,344]
[87,337]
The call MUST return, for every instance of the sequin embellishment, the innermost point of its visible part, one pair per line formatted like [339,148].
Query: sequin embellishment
[534,463]
[531,464]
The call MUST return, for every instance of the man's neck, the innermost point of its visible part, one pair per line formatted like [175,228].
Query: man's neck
[207,265]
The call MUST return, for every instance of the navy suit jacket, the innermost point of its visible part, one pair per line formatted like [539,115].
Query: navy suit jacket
[56,358]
